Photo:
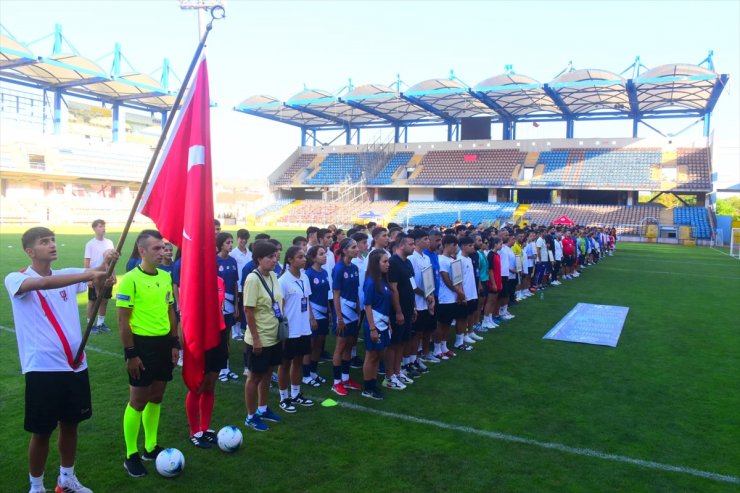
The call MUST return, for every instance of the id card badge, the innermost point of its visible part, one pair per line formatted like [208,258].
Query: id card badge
[304,305]
[276,309]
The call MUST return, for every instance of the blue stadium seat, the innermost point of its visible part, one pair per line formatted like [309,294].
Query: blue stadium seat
[426,212]
[696,217]
[385,176]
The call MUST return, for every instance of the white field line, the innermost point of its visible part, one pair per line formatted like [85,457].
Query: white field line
[723,253]
[515,439]
[668,273]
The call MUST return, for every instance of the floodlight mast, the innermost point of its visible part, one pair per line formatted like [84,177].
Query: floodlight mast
[202,6]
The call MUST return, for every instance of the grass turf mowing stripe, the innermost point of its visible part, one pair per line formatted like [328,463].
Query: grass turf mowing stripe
[547,445]
[506,437]
[668,273]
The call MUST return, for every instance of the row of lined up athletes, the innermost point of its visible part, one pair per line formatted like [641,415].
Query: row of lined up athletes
[376,282]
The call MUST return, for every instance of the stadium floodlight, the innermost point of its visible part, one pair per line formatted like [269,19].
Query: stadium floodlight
[202,6]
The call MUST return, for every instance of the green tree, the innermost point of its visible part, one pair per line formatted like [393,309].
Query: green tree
[729,207]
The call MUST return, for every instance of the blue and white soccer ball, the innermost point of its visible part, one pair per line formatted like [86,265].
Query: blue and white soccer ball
[229,438]
[170,462]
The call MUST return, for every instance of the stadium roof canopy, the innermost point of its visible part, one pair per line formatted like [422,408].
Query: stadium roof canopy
[666,91]
[68,72]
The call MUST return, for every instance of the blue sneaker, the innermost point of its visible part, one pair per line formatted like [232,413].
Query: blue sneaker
[269,416]
[255,422]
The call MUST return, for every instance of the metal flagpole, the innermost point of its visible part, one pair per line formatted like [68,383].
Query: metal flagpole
[217,13]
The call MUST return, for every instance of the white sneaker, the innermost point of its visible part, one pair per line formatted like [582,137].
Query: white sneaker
[37,490]
[72,485]
[403,378]
[507,316]
[430,358]
[420,364]
[179,361]
[475,336]
[398,381]
[468,339]
[556,283]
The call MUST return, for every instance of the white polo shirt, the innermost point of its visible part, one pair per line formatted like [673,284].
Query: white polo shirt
[39,346]
[446,295]
[94,250]
[242,259]
[296,291]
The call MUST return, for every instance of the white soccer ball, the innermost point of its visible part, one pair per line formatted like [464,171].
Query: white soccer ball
[229,438]
[170,462]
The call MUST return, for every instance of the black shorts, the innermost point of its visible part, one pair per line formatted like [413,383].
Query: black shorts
[512,285]
[447,312]
[425,322]
[217,357]
[296,346]
[270,356]
[156,356]
[484,290]
[53,396]
[92,294]
[504,293]
[401,333]
[568,260]
[322,327]
[472,306]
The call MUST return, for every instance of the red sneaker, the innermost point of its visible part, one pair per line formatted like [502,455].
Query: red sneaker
[351,385]
[339,389]
[450,353]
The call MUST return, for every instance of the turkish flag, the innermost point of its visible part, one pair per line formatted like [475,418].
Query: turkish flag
[179,199]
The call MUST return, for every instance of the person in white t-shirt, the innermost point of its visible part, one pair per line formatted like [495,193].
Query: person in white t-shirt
[242,255]
[543,258]
[296,289]
[466,334]
[558,257]
[94,250]
[47,327]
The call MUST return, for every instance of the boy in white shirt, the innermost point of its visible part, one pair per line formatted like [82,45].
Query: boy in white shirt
[47,326]
[94,250]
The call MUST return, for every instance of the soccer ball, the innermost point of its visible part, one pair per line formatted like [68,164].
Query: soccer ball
[170,462]
[229,438]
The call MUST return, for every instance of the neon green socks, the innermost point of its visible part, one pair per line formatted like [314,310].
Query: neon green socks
[131,424]
[150,419]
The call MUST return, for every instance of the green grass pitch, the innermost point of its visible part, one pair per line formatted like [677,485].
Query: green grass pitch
[668,394]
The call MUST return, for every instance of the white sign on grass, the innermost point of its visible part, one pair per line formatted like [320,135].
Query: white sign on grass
[591,324]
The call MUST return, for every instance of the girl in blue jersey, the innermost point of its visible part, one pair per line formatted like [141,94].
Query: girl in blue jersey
[319,300]
[227,269]
[346,287]
[377,296]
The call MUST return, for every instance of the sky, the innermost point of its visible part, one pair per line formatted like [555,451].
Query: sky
[280,47]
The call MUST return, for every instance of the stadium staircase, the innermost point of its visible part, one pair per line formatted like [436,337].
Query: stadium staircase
[666,217]
[415,163]
[395,211]
[519,213]
[314,167]
[271,218]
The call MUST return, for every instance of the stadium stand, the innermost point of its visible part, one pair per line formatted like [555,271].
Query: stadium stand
[469,167]
[320,212]
[696,168]
[696,217]
[302,162]
[592,215]
[337,168]
[385,176]
[437,212]
[274,207]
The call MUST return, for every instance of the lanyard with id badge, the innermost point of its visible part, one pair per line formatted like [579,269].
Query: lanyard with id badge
[304,298]
[283,329]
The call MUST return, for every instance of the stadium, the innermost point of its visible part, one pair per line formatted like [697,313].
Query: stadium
[516,414]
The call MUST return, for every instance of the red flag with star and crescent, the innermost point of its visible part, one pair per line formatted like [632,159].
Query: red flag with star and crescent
[179,199]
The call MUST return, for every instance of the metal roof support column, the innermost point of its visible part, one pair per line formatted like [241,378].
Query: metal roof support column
[449,132]
[358,136]
[635,125]
[116,116]
[116,70]
[707,120]
[513,130]
[303,137]
[506,134]
[396,134]
[406,135]
[314,137]
[57,111]
[348,135]
[569,126]
[57,50]
[164,119]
